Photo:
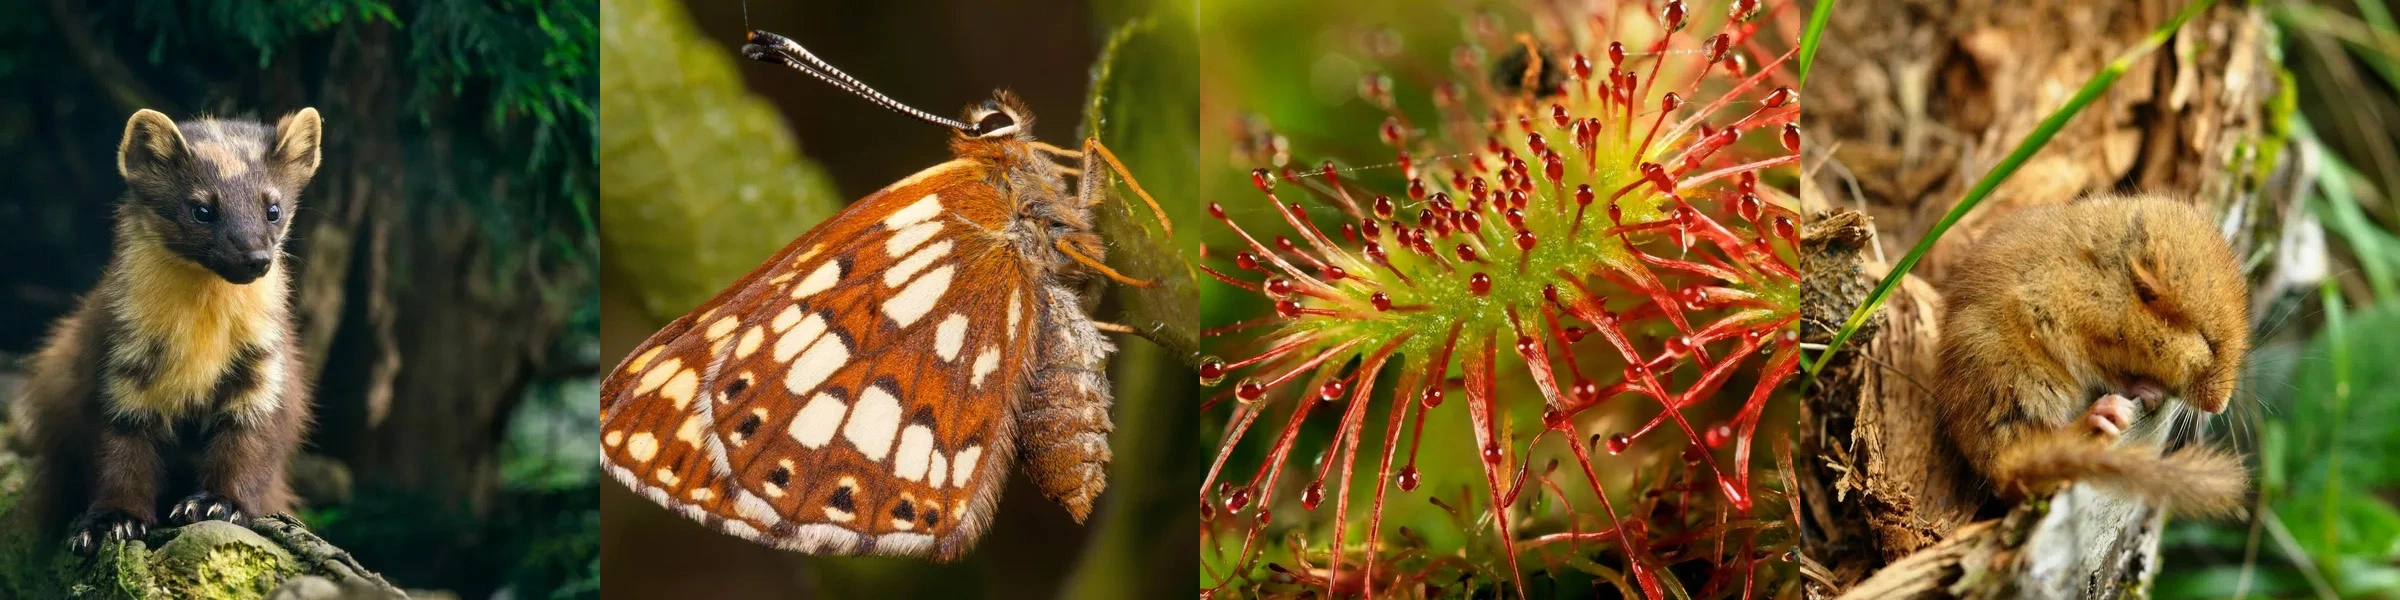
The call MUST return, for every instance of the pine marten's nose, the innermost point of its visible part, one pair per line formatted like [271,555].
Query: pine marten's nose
[257,261]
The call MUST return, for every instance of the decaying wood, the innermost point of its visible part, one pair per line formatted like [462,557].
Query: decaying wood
[1916,104]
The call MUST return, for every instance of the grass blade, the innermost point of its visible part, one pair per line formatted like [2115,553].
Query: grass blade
[1809,38]
[2025,150]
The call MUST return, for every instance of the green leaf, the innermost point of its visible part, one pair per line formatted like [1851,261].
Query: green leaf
[1143,109]
[2025,150]
[700,180]
[1810,38]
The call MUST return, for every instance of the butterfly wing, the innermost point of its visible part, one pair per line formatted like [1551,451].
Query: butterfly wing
[856,394]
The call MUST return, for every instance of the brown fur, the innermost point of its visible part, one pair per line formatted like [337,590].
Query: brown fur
[2060,305]
[175,387]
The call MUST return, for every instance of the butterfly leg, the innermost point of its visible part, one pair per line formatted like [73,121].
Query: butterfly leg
[1091,148]
[1097,267]
[1063,426]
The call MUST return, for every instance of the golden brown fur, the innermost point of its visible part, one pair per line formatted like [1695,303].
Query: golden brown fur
[2062,305]
[175,387]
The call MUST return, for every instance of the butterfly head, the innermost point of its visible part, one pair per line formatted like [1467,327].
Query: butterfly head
[1002,117]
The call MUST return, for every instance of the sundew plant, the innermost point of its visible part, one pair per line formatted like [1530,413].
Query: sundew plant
[1551,313]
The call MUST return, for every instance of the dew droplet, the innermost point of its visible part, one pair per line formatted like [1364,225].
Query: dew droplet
[1673,15]
[1748,206]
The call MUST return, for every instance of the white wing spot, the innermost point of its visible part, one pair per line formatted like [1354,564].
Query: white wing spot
[689,433]
[680,389]
[874,422]
[909,238]
[924,208]
[1016,312]
[814,425]
[786,319]
[796,340]
[909,267]
[750,341]
[951,335]
[819,280]
[667,476]
[613,438]
[916,449]
[642,447]
[919,297]
[818,363]
[938,474]
[723,327]
[657,376]
[985,363]
[964,466]
[703,494]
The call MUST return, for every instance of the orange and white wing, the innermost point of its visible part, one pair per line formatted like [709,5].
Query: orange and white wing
[856,394]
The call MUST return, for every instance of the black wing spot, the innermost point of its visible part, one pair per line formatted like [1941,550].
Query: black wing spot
[904,511]
[923,416]
[841,499]
[783,477]
[749,426]
[932,518]
[737,387]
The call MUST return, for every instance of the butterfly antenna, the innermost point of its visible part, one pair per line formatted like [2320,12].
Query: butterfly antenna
[768,47]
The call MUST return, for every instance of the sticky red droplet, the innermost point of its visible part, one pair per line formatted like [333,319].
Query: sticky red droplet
[1309,498]
[1408,478]
[1381,301]
[1331,391]
[1466,253]
[1617,443]
[1491,453]
[1249,391]
[1586,391]
[1791,137]
[1432,397]
[1264,180]
[1524,240]
[1212,371]
[1216,210]
[1716,436]
[1384,207]
[1583,194]
[1237,501]
[1480,284]
[1616,55]
[1287,307]
[1781,96]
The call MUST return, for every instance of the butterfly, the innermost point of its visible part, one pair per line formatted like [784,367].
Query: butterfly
[867,389]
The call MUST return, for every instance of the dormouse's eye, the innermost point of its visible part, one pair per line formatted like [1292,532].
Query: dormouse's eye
[274,210]
[204,209]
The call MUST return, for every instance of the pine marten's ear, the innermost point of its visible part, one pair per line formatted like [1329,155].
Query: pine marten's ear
[152,149]
[297,140]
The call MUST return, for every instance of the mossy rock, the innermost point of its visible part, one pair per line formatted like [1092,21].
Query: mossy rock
[275,557]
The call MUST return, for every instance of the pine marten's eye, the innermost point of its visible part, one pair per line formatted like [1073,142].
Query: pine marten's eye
[274,211]
[203,210]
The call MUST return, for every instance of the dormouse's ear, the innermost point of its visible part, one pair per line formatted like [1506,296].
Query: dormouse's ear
[152,147]
[297,140]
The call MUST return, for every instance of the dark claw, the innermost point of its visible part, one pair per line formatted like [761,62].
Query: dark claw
[111,526]
[205,506]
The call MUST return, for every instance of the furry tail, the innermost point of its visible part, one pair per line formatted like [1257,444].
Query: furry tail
[2202,482]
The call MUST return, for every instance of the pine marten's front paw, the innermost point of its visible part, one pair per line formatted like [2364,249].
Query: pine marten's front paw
[205,506]
[2109,417]
[110,526]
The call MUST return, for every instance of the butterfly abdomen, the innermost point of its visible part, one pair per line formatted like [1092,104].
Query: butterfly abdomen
[1063,425]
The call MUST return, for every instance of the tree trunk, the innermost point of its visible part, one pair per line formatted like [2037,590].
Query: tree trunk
[1917,102]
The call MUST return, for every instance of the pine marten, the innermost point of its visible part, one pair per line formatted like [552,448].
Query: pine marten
[178,380]
[2067,324]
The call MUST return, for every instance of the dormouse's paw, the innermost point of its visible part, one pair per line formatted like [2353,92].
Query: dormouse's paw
[205,506]
[104,527]
[2109,417]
